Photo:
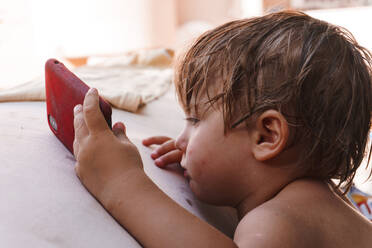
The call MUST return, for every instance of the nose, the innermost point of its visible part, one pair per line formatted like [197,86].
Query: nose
[181,141]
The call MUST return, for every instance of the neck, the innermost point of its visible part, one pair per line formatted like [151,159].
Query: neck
[270,179]
[261,195]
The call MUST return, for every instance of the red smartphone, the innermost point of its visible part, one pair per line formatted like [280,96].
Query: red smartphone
[64,90]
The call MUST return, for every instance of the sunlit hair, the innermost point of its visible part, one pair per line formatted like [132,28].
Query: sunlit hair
[313,72]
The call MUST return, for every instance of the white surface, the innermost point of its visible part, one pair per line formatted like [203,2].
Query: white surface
[44,203]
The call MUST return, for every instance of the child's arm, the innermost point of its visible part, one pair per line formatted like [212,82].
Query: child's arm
[110,167]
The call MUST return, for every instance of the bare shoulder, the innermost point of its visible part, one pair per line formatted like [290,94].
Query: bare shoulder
[306,214]
[270,227]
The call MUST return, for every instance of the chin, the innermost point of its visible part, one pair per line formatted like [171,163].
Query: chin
[209,197]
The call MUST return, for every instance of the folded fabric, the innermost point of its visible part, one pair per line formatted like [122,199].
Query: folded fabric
[126,82]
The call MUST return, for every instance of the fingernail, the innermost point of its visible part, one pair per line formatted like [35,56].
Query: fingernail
[119,125]
[92,91]
[159,162]
[77,108]
[154,154]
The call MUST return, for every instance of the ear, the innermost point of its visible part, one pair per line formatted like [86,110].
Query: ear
[270,135]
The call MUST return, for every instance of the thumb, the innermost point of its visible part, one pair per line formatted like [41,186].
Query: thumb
[119,131]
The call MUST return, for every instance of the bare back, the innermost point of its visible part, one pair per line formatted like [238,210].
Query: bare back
[306,213]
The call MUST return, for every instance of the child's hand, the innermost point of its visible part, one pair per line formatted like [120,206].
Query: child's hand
[105,158]
[110,167]
[166,153]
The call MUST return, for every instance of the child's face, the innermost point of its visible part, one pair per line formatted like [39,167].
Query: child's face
[216,164]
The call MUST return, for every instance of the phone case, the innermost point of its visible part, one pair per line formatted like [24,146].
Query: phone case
[64,90]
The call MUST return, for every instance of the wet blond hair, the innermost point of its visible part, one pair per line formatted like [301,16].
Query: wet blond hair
[313,72]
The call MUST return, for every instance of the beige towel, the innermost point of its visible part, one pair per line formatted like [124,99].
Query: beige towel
[126,81]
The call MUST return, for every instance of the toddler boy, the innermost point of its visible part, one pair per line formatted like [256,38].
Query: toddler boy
[276,107]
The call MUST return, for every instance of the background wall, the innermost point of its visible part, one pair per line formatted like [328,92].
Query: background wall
[31,31]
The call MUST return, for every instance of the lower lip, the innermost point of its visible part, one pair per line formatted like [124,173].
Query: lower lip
[186,175]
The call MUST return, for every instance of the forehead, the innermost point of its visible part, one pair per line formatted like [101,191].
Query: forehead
[199,101]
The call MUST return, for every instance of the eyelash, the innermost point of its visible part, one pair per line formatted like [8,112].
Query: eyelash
[192,120]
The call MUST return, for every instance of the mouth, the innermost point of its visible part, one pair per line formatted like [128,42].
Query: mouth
[186,175]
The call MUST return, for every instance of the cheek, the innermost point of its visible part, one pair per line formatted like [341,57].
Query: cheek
[199,146]
[196,161]
[205,167]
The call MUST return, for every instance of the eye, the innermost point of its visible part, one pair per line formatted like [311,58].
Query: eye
[192,120]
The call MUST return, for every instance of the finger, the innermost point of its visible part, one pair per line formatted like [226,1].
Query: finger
[80,128]
[169,158]
[164,148]
[92,113]
[75,148]
[157,140]
[119,131]
[77,171]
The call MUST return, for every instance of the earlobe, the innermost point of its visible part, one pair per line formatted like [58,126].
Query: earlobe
[270,136]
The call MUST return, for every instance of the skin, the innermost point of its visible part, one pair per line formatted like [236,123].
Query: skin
[277,206]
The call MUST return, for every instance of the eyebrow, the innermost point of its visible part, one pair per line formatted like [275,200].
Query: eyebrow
[192,110]
[187,109]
